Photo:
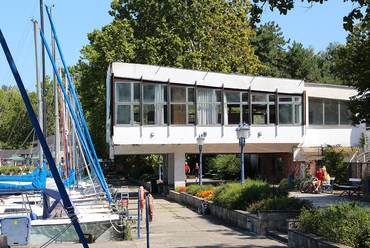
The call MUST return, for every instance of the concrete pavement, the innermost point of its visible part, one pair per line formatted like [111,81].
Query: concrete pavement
[177,225]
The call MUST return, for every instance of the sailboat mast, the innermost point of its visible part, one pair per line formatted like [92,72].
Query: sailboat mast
[39,100]
[56,105]
[43,70]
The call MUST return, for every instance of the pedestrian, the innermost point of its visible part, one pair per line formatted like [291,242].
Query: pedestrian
[196,172]
[187,171]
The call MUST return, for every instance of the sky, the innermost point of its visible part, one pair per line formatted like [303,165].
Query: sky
[73,20]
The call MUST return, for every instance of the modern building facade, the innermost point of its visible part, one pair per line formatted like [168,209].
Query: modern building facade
[161,110]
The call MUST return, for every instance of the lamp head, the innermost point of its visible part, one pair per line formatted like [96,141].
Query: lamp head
[200,140]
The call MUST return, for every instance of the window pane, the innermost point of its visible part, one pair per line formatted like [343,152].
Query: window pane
[285,114]
[163,115]
[298,114]
[344,113]
[232,97]
[218,113]
[204,96]
[136,114]
[204,114]
[149,113]
[191,114]
[272,113]
[272,98]
[123,114]
[191,95]
[245,97]
[298,99]
[163,95]
[331,112]
[315,111]
[233,113]
[178,94]
[259,114]
[149,92]
[245,114]
[258,98]
[178,113]
[218,95]
[285,99]
[136,92]
[123,92]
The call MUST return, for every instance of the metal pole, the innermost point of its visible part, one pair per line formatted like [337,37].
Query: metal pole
[242,142]
[160,172]
[147,222]
[43,71]
[200,166]
[39,100]
[138,214]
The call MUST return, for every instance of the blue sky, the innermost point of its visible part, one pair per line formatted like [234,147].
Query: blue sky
[317,27]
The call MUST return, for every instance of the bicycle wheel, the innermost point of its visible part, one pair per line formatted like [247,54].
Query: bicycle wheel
[200,209]
[301,186]
[306,187]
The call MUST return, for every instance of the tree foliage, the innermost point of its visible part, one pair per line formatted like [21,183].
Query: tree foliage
[15,124]
[203,35]
[359,13]
[353,64]
[332,158]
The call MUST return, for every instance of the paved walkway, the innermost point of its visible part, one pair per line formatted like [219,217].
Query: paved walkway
[177,225]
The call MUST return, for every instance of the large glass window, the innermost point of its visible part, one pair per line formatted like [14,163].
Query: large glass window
[328,112]
[155,109]
[232,108]
[182,105]
[290,110]
[208,106]
[263,109]
[127,103]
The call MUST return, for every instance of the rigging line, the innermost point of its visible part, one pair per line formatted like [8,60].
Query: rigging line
[10,135]
[80,146]
[7,98]
[27,138]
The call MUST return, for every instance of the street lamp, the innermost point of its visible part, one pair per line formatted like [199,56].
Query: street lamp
[200,142]
[242,134]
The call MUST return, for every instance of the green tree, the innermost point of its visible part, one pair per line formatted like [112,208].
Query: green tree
[332,158]
[353,63]
[204,35]
[301,62]
[359,13]
[269,47]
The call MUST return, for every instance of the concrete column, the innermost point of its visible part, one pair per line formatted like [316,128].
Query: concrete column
[176,169]
[165,169]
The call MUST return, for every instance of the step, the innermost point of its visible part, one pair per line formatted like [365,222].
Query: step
[278,235]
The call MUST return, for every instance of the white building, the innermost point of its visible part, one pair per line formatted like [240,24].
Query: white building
[161,110]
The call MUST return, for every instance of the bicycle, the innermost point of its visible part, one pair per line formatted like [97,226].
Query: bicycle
[203,208]
[304,186]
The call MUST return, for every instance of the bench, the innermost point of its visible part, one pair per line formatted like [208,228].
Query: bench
[354,186]
[328,187]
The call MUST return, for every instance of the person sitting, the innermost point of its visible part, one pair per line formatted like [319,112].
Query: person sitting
[326,178]
[315,185]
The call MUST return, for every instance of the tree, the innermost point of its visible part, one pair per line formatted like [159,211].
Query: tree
[353,63]
[283,6]
[300,62]
[269,47]
[203,35]
[333,160]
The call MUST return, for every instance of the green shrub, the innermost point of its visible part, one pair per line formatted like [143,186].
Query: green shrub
[279,203]
[240,196]
[8,170]
[142,172]
[284,184]
[347,223]
[193,189]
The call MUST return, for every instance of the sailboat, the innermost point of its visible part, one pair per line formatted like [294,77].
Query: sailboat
[57,226]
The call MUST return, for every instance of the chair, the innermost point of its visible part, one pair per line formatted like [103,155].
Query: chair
[328,187]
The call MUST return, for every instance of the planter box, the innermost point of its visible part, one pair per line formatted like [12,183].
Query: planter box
[299,239]
[266,220]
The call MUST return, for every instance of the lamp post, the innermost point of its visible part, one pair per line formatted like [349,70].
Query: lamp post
[242,134]
[200,142]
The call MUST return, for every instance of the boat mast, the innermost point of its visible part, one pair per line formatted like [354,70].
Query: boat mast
[43,70]
[39,100]
[56,105]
